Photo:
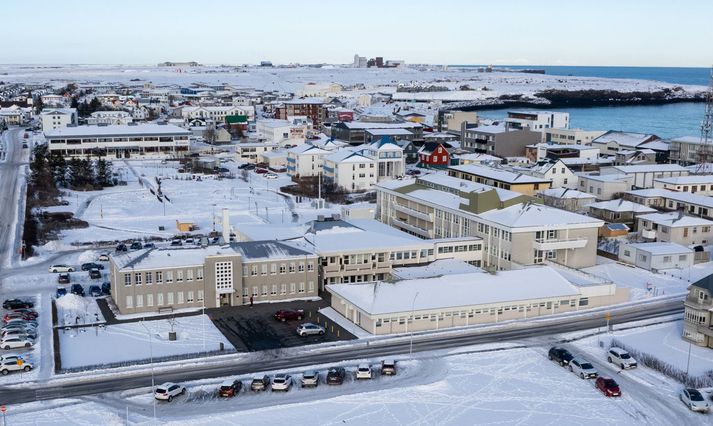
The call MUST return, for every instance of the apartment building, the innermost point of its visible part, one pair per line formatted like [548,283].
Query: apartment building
[694,184]
[58,117]
[514,229]
[499,178]
[455,121]
[350,170]
[537,120]
[281,131]
[542,151]
[698,313]
[560,136]
[305,160]
[619,211]
[165,279]
[119,141]
[315,109]
[214,114]
[251,152]
[614,141]
[355,132]
[498,140]
[604,187]
[662,199]
[109,118]
[688,150]
[358,251]
[567,199]
[642,176]
[675,227]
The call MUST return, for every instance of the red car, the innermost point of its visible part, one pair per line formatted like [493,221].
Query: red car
[16,315]
[286,314]
[30,313]
[608,386]
[261,171]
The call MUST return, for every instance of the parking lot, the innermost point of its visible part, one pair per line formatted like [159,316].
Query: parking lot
[254,328]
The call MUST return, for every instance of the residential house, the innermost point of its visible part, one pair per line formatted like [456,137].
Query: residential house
[695,184]
[434,155]
[698,313]
[676,227]
[350,170]
[662,199]
[656,256]
[109,118]
[58,117]
[305,160]
[642,176]
[500,178]
[252,151]
[604,187]
[614,141]
[567,199]
[619,211]
[354,132]
[555,171]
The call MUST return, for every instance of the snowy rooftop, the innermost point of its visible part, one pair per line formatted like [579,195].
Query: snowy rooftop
[685,197]
[606,178]
[531,214]
[348,156]
[118,130]
[622,206]
[686,180]
[389,132]
[661,248]
[435,269]
[302,148]
[566,193]
[456,290]
[674,219]
[498,174]
[466,185]
[273,123]
[688,139]
[354,125]
[629,139]
[643,168]
[489,128]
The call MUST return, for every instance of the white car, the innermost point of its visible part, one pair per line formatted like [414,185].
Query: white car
[583,368]
[12,342]
[18,332]
[103,257]
[270,176]
[310,379]
[61,268]
[167,391]
[308,329]
[16,364]
[363,371]
[621,358]
[281,382]
[694,400]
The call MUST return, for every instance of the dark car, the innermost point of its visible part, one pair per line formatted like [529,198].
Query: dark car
[149,245]
[608,386]
[61,291]
[106,288]
[260,383]
[91,265]
[136,245]
[388,367]
[176,242]
[335,376]
[121,247]
[228,389]
[560,355]
[95,274]
[289,314]
[261,171]
[77,289]
[95,291]
[17,304]
[63,278]
[413,172]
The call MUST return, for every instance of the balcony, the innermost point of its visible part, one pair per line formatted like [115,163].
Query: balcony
[570,244]
[648,234]
[415,229]
[415,213]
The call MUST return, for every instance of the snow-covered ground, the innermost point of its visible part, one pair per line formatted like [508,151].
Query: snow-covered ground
[89,346]
[642,283]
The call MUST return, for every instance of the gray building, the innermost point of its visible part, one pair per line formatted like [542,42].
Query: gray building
[498,140]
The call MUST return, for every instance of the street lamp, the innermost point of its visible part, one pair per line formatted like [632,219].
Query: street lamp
[413,304]
[153,382]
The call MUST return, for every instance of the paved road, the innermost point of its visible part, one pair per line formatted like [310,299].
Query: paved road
[9,194]
[88,386]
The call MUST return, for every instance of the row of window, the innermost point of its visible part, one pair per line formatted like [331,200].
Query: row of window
[159,277]
[274,269]
[262,291]
[161,299]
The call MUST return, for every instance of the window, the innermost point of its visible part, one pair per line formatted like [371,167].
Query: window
[283,268]
[159,277]
[129,302]
[263,269]
[302,287]
[273,292]
[293,288]
[149,278]
[292,268]
[179,297]
[179,276]
[169,276]
[189,297]
[224,275]
[127,279]
[264,290]
[159,299]
[199,274]
[245,270]
[137,278]
[627,253]
[301,267]
[283,289]
[682,258]
[273,269]
[189,274]
[139,300]
[253,270]
[667,259]
[310,286]
[169,298]
[245,292]
[149,300]
[642,257]
[310,266]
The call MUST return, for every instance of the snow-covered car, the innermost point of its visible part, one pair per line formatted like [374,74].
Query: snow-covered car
[310,379]
[621,358]
[281,382]
[31,323]
[61,291]
[694,400]
[13,342]
[363,371]
[17,364]
[270,176]
[61,268]
[583,368]
[167,391]
[10,357]
[104,257]
[91,265]
[308,329]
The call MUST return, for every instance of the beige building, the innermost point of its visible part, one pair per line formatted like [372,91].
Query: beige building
[514,228]
[676,227]
[499,178]
[465,299]
[570,136]
[698,313]
[165,279]
[695,184]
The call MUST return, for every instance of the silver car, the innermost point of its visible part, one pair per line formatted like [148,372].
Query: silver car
[310,379]
[308,329]
[694,400]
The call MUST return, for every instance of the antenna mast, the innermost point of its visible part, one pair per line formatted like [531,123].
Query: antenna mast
[705,153]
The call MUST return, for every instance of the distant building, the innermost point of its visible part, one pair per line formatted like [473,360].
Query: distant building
[498,140]
[313,108]
[675,227]
[179,64]
[561,136]
[537,120]
[614,141]
[110,118]
[687,150]
[58,117]
[500,178]
[434,155]
[698,313]
[656,256]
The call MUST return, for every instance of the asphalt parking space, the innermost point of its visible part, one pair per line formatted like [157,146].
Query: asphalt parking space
[254,329]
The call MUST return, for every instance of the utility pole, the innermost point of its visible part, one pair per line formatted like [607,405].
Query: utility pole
[153,382]
[705,154]
[413,304]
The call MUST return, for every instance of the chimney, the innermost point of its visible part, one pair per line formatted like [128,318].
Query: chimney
[226,226]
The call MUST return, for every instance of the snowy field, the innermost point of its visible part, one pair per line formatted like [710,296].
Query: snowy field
[128,342]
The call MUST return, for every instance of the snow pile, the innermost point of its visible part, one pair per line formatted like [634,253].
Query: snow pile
[72,302]
[77,310]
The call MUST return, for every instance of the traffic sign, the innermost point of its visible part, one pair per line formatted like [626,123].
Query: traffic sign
[3,409]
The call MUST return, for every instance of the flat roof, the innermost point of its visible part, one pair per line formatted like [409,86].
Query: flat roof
[117,130]
[389,132]
[535,215]
[498,174]
[686,180]
[661,248]
[642,168]
[456,290]
[675,219]
[622,206]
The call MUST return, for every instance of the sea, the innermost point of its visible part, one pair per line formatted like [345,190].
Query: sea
[666,121]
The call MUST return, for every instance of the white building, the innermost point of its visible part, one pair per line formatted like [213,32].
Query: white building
[614,141]
[215,114]
[53,100]
[570,136]
[350,170]
[537,120]
[251,151]
[694,184]
[389,157]
[282,132]
[676,227]
[58,117]
[604,187]
[656,256]
[319,90]
[15,115]
[110,118]
[556,171]
[643,175]
[305,160]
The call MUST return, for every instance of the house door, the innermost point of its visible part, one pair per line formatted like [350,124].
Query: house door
[226,300]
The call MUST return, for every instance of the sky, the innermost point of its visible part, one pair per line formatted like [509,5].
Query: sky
[504,32]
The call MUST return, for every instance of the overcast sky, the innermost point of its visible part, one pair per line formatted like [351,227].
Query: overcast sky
[513,32]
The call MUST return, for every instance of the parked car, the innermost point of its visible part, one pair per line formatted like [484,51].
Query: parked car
[104,257]
[106,288]
[694,400]
[17,315]
[363,371]
[11,357]
[77,289]
[91,265]
[20,328]
[17,304]
[61,268]
[19,364]
[621,358]
[136,245]
[583,368]
[281,382]
[270,176]
[61,291]
[21,321]
[388,367]
[309,379]
[167,391]
[63,278]
[176,242]
[608,386]
[560,355]
[95,290]
[149,245]
[261,171]
[121,247]
[27,312]
[288,314]
[308,329]
[230,388]
[413,172]
[259,383]
[29,333]
[95,274]
[335,376]
[13,342]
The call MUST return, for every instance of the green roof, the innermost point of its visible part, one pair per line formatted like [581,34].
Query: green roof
[235,119]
